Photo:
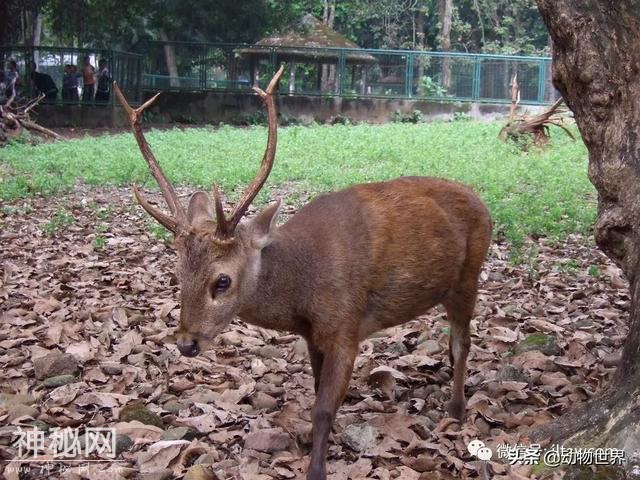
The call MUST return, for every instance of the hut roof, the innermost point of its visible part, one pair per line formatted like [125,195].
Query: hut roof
[307,39]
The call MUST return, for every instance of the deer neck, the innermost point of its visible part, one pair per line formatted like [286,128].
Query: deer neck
[277,294]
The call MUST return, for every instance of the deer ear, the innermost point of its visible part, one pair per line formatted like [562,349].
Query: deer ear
[262,227]
[200,208]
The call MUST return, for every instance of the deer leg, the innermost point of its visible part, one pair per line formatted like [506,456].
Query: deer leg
[316,357]
[337,366]
[459,315]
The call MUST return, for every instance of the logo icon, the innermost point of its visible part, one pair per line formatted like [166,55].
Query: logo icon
[477,448]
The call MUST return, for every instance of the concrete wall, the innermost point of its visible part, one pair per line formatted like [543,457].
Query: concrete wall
[64,116]
[210,107]
[213,107]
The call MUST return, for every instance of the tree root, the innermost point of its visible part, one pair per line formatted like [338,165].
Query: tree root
[611,419]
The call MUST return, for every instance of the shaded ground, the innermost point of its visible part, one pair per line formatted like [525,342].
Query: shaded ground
[85,274]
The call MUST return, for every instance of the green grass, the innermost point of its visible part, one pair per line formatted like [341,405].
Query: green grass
[543,192]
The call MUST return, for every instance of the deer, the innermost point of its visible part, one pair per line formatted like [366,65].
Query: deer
[345,265]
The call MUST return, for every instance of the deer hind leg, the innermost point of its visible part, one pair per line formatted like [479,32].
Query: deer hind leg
[459,309]
[316,356]
[337,366]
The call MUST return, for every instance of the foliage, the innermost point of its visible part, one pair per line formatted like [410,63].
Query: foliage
[431,88]
[415,116]
[490,26]
[545,192]
[61,220]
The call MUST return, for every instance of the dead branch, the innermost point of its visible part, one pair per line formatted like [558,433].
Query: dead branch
[536,127]
[15,118]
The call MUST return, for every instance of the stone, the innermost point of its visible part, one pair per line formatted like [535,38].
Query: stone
[9,399]
[512,373]
[136,411]
[55,363]
[539,341]
[173,406]
[59,380]
[269,351]
[165,474]
[19,410]
[123,443]
[207,459]
[360,437]
[231,338]
[264,401]
[111,368]
[137,359]
[398,348]
[429,347]
[268,440]
[200,472]
[180,433]
[274,379]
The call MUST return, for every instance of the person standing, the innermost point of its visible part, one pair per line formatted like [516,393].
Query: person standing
[44,84]
[104,83]
[89,80]
[69,84]
[12,78]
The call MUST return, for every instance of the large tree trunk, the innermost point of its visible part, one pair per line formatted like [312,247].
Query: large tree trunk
[596,67]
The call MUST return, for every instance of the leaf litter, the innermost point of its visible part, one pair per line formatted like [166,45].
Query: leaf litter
[99,293]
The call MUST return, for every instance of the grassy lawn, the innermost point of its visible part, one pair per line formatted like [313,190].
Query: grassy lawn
[545,192]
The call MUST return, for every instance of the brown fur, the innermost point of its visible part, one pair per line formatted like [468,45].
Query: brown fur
[346,265]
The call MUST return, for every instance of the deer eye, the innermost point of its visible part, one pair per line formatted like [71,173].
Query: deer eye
[221,284]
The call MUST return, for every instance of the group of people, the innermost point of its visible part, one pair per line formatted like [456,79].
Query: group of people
[95,85]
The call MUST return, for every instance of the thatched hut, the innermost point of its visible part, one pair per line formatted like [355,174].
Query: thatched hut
[310,43]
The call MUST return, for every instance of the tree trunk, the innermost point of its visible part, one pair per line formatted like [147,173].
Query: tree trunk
[420,41]
[596,63]
[446,14]
[37,33]
[328,82]
[170,58]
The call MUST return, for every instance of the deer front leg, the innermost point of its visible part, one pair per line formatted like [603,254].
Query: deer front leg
[337,366]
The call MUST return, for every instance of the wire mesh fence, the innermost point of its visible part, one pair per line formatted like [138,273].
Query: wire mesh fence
[69,75]
[347,72]
[356,73]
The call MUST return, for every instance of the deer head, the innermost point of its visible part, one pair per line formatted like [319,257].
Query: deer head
[218,258]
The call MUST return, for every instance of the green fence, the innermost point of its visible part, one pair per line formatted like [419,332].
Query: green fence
[125,68]
[347,72]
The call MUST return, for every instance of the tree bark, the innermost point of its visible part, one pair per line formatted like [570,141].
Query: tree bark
[596,67]
[420,40]
[170,58]
[446,14]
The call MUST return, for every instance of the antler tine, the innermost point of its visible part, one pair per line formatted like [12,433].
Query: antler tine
[167,189]
[222,227]
[269,155]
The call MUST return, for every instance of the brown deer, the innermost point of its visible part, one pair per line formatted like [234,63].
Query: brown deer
[345,265]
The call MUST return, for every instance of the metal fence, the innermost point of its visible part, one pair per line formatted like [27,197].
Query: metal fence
[64,66]
[347,72]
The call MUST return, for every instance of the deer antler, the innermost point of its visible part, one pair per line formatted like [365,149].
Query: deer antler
[225,227]
[178,218]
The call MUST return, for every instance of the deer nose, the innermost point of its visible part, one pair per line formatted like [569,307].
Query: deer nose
[188,348]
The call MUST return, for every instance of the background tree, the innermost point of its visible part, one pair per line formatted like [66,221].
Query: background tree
[596,66]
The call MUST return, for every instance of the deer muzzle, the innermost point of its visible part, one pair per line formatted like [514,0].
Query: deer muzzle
[188,348]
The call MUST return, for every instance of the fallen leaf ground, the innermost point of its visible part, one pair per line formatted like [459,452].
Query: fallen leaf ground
[82,274]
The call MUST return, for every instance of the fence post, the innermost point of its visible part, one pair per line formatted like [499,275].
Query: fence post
[408,78]
[341,75]
[477,72]
[203,69]
[542,80]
